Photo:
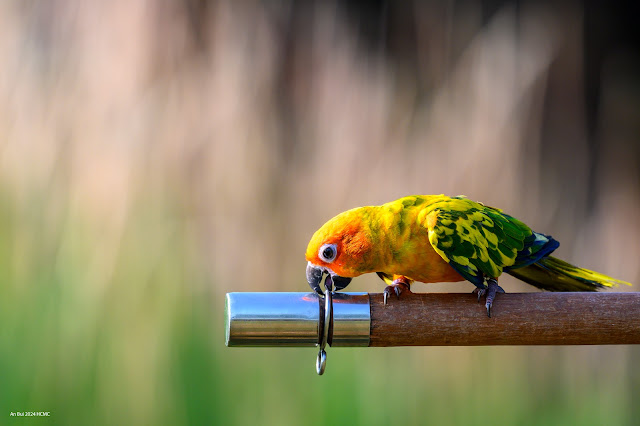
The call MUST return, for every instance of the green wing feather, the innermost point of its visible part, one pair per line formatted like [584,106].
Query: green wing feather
[476,240]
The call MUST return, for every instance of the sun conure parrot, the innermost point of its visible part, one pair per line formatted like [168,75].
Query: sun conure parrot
[435,238]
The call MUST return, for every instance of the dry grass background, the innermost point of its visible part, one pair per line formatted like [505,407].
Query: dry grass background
[154,156]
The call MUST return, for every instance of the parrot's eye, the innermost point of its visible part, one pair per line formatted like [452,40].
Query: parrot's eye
[328,252]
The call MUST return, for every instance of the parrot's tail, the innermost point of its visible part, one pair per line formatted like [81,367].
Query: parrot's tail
[553,274]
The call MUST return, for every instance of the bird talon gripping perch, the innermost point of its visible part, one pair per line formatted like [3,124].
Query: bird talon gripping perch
[490,292]
[398,286]
[435,238]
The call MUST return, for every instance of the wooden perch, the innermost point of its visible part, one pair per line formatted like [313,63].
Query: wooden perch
[448,319]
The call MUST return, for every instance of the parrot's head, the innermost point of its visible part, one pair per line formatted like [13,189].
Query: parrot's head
[341,249]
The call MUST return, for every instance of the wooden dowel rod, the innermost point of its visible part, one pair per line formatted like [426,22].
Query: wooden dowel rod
[451,319]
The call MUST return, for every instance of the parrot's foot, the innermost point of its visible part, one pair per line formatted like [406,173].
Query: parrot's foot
[490,292]
[398,286]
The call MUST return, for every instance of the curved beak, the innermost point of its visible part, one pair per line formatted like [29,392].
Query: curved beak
[314,277]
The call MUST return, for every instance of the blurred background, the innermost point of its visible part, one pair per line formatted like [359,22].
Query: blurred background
[155,155]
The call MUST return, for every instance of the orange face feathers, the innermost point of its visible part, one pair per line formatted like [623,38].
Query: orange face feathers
[348,235]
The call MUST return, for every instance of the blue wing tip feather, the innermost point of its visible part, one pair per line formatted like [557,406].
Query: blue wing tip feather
[536,246]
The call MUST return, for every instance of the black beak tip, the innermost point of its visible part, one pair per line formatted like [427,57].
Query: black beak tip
[314,277]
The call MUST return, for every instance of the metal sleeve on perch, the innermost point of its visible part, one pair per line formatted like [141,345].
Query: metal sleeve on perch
[296,319]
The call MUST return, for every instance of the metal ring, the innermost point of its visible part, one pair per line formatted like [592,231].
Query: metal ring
[321,361]
[328,307]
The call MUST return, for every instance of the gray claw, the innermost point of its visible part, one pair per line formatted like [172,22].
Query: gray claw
[489,293]
[479,291]
[387,293]
[492,289]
